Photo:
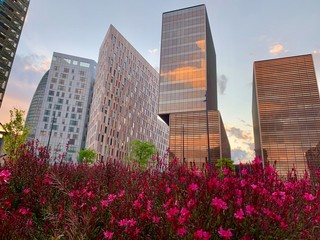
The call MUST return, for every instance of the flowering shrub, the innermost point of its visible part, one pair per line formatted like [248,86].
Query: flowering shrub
[39,200]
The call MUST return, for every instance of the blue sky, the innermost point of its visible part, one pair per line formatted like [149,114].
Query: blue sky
[243,31]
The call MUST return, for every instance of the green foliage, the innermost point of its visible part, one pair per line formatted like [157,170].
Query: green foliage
[141,152]
[16,133]
[87,156]
[225,163]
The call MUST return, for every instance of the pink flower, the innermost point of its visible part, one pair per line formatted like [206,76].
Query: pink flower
[127,222]
[184,214]
[193,187]
[200,234]
[172,212]
[181,231]
[239,214]
[24,211]
[111,198]
[4,176]
[26,191]
[249,209]
[108,235]
[309,197]
[219,204]
[191,203]
[104,203]
[137,204]
[94,209]
[155,219]
[121,193]
[225,233]
[283,225]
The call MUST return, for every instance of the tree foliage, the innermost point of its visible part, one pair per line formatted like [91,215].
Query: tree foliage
[141,152]
[87,156]
[16,133]
[225,163]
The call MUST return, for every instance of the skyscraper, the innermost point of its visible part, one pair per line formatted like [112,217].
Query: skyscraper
[285,113]
[33,116]
[188,88]
[125,101]
[65,107]
[13,14]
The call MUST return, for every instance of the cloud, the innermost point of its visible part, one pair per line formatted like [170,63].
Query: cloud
[222,83]
[153,51]
[25,75]
[238,133]
[276,49]
[239,155]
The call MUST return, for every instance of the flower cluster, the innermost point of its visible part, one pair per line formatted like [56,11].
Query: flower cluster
[43,200]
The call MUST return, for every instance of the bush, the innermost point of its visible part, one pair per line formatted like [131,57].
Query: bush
[39,200]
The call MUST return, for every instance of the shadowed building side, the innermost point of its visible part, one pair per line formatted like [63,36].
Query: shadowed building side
[34,111]
[12,17]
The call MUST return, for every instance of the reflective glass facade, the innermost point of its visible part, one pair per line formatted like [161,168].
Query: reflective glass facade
[188,87]
[13,14]
[189,139]
[286,109]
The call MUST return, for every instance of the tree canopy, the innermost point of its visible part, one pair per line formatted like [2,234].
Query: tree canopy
[141,152]
[87,156]
[16,133]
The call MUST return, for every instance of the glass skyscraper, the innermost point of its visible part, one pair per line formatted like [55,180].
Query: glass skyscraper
[188,88]
[12,17]
[286,113]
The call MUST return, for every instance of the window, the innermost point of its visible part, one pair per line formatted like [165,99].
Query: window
[50,99]
[60,100]
[45,119]
[74,62]
[57,107]
[61,88]
[84,64]
[47,112]
[73,122]
[79,104]
[51,93]
[67,60]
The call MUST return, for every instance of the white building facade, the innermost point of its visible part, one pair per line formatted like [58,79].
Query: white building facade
[64,112]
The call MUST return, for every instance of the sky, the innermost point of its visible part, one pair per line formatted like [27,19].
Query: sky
[243,31]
